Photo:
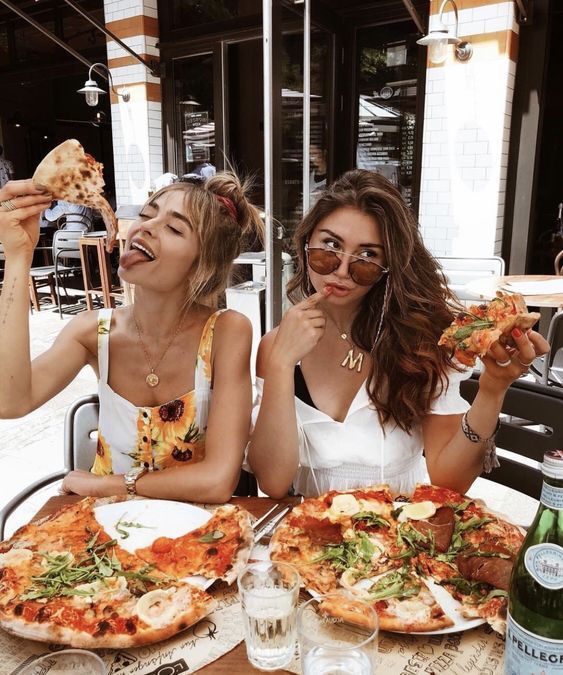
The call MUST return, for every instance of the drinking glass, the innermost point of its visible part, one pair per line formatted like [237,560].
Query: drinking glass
[343,645]
[66,662]
[269,593]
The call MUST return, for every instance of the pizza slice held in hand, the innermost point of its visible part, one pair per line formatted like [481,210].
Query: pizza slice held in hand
[74,176]
[473,331]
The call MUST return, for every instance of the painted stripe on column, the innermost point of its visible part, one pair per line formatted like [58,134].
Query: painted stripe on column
[148,91]
[134,25]
[464,4]
[506,44]
[121,61]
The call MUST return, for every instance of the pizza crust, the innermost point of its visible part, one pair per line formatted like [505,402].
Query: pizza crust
[197,605]
[247,542]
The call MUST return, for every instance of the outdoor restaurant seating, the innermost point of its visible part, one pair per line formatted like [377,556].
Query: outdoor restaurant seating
[80,442]
[548,369]
[459,271]
[530,425]
[64,249]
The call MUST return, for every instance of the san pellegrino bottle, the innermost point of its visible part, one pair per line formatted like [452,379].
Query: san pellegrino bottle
[534,636]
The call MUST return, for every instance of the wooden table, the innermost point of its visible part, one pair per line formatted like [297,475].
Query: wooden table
[487,288]
[106,289]
[235,662]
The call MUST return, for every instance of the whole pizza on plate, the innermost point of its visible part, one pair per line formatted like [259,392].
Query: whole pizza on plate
[393,553]
[65,580]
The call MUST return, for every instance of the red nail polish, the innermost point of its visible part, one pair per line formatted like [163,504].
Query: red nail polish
[517,333]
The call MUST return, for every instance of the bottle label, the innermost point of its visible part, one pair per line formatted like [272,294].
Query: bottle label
[545,563]
[530,654]
[551,496]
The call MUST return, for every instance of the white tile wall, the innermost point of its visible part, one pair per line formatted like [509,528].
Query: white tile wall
[137,124]
[465,143]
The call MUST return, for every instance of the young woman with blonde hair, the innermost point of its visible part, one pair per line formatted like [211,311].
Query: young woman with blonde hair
[174,377]
[352,385]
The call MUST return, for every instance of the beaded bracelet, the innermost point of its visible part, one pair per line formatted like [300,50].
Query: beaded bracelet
[490,461]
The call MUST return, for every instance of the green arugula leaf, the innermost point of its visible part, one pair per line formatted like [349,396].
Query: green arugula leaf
[211,537]
[466,331]
[371,519]
[122,524]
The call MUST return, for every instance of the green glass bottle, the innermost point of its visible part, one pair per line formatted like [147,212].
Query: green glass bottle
[534,636]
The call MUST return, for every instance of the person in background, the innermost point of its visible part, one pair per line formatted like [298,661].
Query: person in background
[6,169]
[77,217]
[352,386]
[174,373]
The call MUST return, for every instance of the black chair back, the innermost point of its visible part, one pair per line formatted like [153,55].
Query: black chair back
[533,426]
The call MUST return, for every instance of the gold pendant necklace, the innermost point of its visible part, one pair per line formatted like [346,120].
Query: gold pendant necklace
[351,360]
[152,378]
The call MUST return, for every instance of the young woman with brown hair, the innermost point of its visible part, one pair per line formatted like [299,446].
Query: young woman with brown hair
[352,385]
[174,377]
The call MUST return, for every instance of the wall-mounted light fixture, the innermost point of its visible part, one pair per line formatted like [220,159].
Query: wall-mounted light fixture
[438,39]
[91,90]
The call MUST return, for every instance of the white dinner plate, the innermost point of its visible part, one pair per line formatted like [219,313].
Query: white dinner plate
[159,517]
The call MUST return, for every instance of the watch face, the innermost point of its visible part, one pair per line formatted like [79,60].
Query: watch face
[135,472]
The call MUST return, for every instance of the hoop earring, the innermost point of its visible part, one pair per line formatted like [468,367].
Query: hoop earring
[384,306]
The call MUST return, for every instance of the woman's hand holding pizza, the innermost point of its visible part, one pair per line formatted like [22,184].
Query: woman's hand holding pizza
[21,202]
[504,364]
[300,330]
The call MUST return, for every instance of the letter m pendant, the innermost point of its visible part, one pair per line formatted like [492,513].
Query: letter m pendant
[352,361]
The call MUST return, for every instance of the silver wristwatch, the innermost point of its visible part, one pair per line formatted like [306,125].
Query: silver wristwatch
[131,478]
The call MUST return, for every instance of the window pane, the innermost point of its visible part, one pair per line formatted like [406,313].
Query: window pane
[292,122]
[80,34]
[193,83]
[185,13]
[387,103]
[31,45]
[4,48]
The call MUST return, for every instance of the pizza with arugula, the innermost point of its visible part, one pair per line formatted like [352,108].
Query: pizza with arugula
[65,580]
[365,543]
[474,330]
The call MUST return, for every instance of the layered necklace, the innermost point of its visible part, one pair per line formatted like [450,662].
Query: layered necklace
[152,378]
[352,361]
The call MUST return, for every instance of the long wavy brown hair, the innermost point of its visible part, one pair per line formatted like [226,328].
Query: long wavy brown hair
[409,368]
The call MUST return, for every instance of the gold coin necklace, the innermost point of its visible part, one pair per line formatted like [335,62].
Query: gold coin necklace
[152,378]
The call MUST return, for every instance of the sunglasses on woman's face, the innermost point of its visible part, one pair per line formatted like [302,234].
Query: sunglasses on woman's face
[363,271]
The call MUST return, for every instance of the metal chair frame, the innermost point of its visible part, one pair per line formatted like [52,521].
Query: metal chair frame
[65,246]
[548,369]
[459,271]
[532,427]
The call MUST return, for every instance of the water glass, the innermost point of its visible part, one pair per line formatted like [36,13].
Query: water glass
[66,662]
[269,592]
[343,645]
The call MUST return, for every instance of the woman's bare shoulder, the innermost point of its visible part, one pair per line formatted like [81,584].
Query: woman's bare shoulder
[231,320]
[80,332]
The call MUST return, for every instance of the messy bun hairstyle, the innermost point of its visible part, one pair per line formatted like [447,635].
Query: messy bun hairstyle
[224,221]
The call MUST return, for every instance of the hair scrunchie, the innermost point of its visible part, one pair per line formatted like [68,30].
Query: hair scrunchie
[228,203]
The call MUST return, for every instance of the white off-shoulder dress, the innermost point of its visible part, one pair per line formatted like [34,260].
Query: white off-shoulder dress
[358,451]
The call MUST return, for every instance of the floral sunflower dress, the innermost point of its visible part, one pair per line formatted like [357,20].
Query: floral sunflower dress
[157,437]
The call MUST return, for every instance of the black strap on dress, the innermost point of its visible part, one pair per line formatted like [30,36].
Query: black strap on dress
[301,389]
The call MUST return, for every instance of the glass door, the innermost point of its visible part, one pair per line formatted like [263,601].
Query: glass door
[194,115]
